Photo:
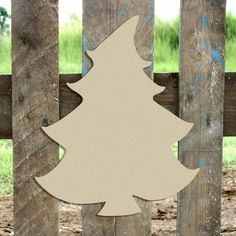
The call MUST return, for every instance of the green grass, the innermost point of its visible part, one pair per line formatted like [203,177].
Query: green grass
[70,52]
[166,43]
[230,62]
[70,60]
[166,47]
[5,167]
[5,54]
[229,152]
[167,59]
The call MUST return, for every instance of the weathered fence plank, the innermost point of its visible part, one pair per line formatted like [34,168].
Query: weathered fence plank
[35,103]
[201,95]
[169,98]
[100,19]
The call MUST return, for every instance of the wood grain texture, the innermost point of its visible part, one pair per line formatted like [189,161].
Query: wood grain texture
[201,97]
[35,93]
[169,98]
[5,106]
[100,19]
[230,105]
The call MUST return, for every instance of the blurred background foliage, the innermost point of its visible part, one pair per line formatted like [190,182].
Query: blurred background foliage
[166,45]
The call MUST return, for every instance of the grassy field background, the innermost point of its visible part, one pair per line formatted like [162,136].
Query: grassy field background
[166,46]
[70,61]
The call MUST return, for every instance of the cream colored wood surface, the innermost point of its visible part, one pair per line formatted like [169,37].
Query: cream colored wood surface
[117,133]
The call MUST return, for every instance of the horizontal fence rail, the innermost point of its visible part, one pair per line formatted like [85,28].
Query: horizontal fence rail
[169,99]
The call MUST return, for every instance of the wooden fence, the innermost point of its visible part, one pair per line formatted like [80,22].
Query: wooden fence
[34,96]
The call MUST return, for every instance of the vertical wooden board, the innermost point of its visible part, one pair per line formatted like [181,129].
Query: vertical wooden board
[35,92]
[100,19]
[201,90]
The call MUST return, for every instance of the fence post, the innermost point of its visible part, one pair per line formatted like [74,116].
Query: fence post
[201,101]
[100,19]
[35,88]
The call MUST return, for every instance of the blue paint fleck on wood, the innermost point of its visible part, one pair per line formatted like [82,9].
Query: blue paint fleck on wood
[84,69]
[205,21]
[197,65]
[149,21]
[85,66]
[198,78]
[85,43]
[203,115]
[205,46]
[150,68]
[151,10]
[202,163]
[122,11]
[216,56]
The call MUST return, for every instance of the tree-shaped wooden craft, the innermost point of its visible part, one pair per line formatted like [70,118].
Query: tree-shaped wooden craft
[118,141]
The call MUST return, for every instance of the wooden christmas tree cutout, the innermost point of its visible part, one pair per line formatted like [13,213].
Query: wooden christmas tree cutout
[118,141]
